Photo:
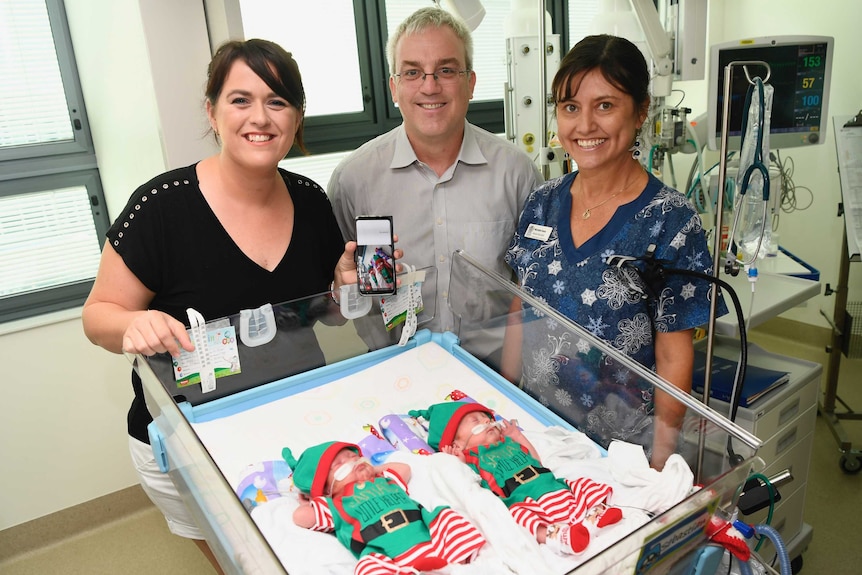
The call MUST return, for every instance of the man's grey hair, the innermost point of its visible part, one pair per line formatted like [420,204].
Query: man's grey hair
[431,17]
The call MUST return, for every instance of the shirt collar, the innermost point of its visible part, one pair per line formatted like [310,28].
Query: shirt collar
[469,153]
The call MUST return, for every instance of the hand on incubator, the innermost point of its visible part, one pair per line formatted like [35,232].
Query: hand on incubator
[153,332]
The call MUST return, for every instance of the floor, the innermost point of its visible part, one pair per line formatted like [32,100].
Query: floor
[139,543]
[833,501]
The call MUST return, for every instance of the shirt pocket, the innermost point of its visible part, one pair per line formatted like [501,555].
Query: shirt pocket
[487,242]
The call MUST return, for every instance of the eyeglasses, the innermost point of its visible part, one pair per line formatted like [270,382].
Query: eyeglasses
[443,75]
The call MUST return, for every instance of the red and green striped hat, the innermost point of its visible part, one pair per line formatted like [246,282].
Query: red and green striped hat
[311,470]
[443,419]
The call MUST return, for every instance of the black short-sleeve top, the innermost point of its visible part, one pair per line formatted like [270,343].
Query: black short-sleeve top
[170,238]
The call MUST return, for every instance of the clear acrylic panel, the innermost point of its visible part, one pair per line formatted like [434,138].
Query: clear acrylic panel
[581,378]
[310,333]
[235,540]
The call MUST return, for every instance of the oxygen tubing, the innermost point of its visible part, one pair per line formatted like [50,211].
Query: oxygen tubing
[744,568]
[780,548]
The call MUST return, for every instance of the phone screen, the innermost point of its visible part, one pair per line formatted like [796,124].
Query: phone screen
[375,262]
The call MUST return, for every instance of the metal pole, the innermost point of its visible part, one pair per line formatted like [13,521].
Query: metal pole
[543,83]
[716,250]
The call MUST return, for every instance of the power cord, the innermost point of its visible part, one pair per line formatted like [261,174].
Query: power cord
[695,189]
[653,276]
[758,492]
[789,200]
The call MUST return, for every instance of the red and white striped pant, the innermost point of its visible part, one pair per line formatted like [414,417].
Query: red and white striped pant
[453,539]
[563,506]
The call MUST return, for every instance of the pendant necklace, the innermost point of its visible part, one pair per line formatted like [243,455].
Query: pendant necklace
[588,212]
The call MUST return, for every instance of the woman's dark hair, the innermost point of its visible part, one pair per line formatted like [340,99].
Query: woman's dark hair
[620,62]
[275,66]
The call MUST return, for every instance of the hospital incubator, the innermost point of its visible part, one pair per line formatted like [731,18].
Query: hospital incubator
[316,379]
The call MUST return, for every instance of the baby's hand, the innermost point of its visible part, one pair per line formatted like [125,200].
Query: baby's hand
[510,429]
[452,450]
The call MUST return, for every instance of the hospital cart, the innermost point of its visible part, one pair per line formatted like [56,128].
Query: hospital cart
[266,376]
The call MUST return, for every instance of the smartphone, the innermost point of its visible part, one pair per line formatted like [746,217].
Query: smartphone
[375,255]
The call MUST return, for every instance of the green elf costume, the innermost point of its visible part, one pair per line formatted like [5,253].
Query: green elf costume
[533,494]
[384,528]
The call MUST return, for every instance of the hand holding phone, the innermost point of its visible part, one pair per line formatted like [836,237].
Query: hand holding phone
[375,255]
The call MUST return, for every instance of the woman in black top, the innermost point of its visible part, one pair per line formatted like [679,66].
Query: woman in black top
[231,232]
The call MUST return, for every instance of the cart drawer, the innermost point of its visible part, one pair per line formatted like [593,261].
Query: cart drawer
[791,447]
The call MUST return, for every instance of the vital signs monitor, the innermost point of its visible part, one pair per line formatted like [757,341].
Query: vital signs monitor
[801,68]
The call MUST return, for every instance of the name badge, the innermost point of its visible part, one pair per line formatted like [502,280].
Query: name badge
[537,232]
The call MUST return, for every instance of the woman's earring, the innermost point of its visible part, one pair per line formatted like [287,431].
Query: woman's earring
[636,148]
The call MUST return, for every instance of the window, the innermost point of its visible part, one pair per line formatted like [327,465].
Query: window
[347,88]
[489,46]
[52,212]
[580,20]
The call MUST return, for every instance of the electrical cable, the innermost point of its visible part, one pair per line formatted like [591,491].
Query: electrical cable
[653,278]
[690,178]
[698,149]
[771,490]
[681,100]
[728,188]
[671,170]
[789,202]
[739,377]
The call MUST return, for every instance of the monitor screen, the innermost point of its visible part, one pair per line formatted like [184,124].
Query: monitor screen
[800,75]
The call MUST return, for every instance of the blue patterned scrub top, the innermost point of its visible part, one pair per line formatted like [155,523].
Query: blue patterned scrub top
[562,370]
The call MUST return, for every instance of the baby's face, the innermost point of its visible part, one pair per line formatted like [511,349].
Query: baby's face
[348,467]
[476,428]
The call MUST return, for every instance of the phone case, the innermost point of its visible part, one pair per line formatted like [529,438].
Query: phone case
[375,255]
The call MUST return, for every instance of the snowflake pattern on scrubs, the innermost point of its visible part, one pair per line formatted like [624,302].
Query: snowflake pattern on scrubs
[561,368]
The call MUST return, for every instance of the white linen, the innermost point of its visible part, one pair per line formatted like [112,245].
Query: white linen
[417,379]
[441,479]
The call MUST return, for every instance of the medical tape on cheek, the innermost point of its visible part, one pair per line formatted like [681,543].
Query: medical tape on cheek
[344,469]
[484,427]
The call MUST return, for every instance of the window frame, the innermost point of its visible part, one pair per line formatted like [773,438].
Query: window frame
[340,132]
[25,169]
[347,131]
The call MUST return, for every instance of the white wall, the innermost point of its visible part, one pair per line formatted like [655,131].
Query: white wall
[814,234]
[62,424]
[63,401]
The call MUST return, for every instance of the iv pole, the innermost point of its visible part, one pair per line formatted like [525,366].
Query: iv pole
[716,248]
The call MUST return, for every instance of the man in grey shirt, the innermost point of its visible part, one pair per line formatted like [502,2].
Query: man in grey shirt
[449,185]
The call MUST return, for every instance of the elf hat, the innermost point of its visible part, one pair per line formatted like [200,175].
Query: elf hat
[443,420]
[311,470]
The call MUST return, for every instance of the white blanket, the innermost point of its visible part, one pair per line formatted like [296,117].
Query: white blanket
[413,380]
[441,479]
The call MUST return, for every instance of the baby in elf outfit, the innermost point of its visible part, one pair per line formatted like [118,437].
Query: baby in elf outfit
[560,513]
[370,512]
